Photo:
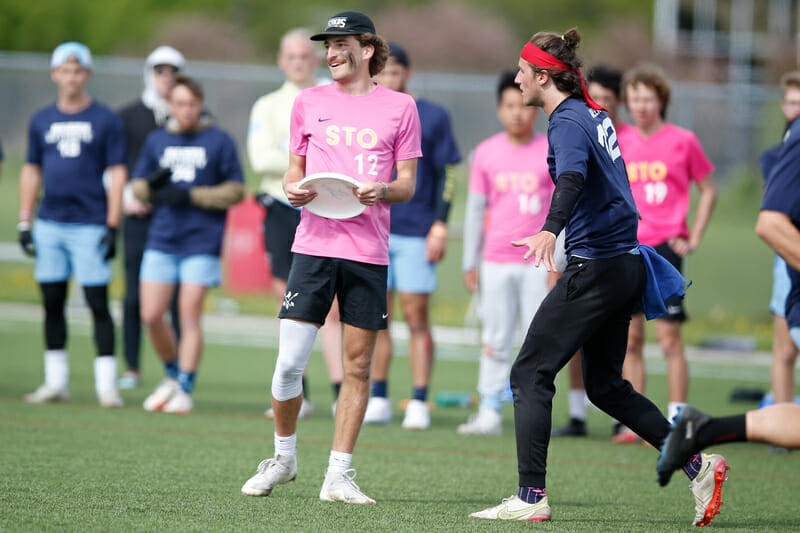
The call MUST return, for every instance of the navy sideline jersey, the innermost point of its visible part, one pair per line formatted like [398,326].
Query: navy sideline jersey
[73,150]
[415,217]
[205,158]
[604,220]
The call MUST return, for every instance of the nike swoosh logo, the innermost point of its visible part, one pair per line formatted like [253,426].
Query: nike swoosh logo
[323,119]
[385,315]
[505,514]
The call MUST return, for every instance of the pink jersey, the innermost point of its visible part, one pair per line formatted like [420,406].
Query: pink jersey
[361,137]
[517,185]
[661,169]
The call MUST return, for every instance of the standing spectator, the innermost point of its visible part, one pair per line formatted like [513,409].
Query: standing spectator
[355,127]
[139,118]
[417,242]
[509,181]
[268,148]
[200,163]
[663,161]
[70,145]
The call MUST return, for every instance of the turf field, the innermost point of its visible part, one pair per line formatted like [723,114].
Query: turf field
[78,467]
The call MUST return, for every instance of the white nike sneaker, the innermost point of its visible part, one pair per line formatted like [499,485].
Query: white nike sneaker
[306,410]
[486,421]
[514,508]
[277,470]
[110,398]
[181,403]
[161,395]
[45,393]
[340,487]
[707,488]
[379,411]
[418,415]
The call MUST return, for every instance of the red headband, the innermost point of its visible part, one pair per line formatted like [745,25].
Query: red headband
[538,57]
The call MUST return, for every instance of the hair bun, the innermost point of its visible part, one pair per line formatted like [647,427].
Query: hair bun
[571,38]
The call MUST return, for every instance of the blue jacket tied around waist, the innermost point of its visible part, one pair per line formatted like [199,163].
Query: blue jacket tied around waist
[663,281]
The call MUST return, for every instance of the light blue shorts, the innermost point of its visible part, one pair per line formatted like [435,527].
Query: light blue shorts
[781,285]
[63,249]
[409,270]
[201,269]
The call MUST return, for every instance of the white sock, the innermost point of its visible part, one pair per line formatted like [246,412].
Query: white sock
[286,446]
[672,410]
[56,369]
[339,462]
[105,373]
[577,407]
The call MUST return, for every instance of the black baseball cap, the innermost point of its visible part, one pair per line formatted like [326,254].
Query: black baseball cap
[346,23]
[399,54]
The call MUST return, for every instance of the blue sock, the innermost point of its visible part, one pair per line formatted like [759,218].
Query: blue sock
[379,389]
[420,393]
[692,467]
[186,379]
[531,494]
[171,368]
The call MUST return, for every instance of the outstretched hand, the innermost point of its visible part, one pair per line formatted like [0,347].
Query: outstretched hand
[540,246]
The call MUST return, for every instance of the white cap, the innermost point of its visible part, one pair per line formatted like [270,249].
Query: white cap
[166,55]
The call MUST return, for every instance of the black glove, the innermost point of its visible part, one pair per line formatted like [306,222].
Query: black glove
[26,239]
[172,195]
[159,178]
[109,243]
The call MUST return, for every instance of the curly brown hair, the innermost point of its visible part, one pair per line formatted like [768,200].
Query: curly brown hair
[652,76]
[381,53]
[564,48]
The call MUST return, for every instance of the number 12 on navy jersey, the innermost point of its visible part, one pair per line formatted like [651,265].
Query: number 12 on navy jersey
[607,137]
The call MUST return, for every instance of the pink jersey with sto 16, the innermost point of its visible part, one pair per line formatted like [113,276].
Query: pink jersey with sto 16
[661,169]
[361,137]
[517,185]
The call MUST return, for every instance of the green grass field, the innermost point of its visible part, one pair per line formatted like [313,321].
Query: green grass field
[77,467]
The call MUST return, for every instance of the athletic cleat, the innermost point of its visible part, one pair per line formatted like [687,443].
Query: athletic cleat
[276,470]
[159,397]
[340,487]
[181,403]
[626,436]
[486,421]
[379,411]
[575,428]
[514,508]
[306,410]
[110,398]
[707,488]
[45,393]
[129,379]
[418,415]
[680,444]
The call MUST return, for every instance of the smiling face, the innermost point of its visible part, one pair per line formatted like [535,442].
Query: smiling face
[346,58]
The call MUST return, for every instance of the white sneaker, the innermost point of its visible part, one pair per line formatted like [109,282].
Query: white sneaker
[110,398]
[514,508]
[181,403]
[379,411]
[306,410]
[45,393]
[340,487]
[276,470]
[707,488]
[159,398]
[418,415]
[486,421]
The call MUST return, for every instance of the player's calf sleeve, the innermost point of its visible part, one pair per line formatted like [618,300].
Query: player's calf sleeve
[294,349]
[97,298]
[54,296]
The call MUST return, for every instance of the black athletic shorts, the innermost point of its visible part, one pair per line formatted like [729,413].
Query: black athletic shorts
[675,310]
[279,228]
[314,281]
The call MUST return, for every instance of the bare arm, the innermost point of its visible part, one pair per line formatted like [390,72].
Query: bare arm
[781,235]
[119,176]
[30,180]
[705,206]
[297,171]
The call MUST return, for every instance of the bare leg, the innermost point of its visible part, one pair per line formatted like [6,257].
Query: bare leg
[633,370]
[576,372]
[784,358]
[777,424]
[286,415]
[359,344]
[383,348]
[155,298]
[190,304]
[420,353]
[669,337]
[332,344]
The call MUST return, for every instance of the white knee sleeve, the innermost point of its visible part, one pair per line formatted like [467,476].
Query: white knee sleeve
[294,349]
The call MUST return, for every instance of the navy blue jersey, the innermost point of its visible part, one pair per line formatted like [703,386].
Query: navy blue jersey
[604,220]
[783,182]
[206,158]
[415,217]
[73,150]
[768,160]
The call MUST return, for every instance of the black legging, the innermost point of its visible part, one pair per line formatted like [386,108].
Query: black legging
[54,297]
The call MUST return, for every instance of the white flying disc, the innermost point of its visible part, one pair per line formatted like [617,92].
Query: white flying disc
[335,196]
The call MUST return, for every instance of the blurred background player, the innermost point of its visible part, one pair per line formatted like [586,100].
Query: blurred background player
[417,242]
[509,196]
[361,129]
[139,118]
[268,149]
[70,145]
[195,178]
[604,85]
[663,161]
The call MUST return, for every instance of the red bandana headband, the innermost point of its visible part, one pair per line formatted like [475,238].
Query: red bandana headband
[536,56]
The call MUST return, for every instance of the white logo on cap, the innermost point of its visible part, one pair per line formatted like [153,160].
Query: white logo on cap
[337,22]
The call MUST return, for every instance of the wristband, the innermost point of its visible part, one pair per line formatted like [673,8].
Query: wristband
[550,233]
[385,190]
[24,225]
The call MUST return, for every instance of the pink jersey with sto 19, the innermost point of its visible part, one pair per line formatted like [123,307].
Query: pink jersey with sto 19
[661,168]
[517,185]
[361,137]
